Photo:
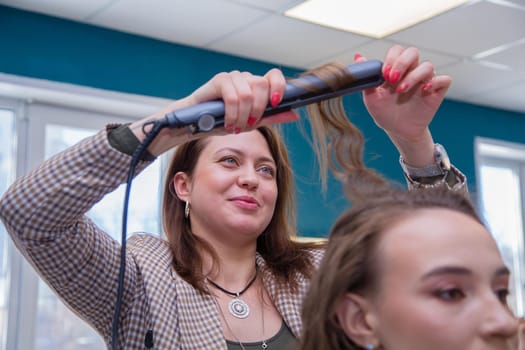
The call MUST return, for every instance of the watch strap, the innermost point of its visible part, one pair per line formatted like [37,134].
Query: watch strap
[440,167]
[416,173]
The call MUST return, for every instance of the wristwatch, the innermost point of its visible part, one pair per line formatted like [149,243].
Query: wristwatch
[441,165]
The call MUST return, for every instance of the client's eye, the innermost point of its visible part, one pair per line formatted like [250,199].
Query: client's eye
[450,294]
[502,295]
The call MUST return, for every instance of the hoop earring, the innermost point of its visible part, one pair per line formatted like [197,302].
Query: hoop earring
[187,210]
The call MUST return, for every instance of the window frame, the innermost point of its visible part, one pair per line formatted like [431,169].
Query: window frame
[508,155]
[14,273]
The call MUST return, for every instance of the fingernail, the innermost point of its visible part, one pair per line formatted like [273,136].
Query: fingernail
[386,72]
[228,127]
[275,99]
[251,120]
[357,56]
[237,130]
[427,87]
[394,77]
[402,88]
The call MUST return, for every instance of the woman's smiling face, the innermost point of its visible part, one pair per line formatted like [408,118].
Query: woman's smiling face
[233,188]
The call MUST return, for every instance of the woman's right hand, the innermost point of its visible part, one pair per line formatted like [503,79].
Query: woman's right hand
[245,97]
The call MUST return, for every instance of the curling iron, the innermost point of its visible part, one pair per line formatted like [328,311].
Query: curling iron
[209,115]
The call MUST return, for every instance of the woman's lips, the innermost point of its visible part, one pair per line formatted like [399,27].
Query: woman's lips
[245,202]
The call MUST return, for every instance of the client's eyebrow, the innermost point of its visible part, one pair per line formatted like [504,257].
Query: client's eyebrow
[446,270]
[459,270]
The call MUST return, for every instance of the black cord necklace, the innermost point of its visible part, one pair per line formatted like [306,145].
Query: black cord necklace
[233,293]
[237,306]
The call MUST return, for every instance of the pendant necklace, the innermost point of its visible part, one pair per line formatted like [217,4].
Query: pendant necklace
[237,307]
[264,345]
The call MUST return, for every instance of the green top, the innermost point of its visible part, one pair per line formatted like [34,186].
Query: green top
[283,340]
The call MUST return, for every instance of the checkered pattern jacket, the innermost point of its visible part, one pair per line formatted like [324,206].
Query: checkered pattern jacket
[44,214]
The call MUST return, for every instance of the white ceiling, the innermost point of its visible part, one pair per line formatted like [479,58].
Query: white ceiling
[481,44]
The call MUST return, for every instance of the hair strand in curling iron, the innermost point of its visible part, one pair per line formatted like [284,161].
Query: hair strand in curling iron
[209,115]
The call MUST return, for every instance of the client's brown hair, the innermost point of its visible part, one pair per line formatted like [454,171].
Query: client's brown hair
[350,259]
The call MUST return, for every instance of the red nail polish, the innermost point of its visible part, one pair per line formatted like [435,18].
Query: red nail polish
[386,72]
[237,130]
[357,56]
[427,87]
[251,120]
[402,88]
[228,127]
[394,77]
[275,99]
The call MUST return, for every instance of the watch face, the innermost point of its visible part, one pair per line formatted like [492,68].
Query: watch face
[442,157]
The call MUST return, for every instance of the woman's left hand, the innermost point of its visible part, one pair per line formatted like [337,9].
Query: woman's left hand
[406,103]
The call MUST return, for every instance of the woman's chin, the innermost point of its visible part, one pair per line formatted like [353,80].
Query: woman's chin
[248,230]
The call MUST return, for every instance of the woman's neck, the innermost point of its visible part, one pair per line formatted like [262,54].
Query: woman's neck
[235,266]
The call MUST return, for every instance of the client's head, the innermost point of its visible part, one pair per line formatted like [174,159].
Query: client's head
[410,270]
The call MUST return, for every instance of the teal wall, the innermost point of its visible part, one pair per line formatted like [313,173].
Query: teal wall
[49,48]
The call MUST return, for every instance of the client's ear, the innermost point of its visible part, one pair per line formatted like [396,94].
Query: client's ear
[356,320]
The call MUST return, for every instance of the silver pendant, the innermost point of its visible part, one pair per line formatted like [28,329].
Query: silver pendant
[238,308]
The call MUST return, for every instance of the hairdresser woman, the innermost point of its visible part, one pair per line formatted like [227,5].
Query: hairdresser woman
[229,275]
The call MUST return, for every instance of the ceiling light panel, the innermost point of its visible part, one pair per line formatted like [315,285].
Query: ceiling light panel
[373,18]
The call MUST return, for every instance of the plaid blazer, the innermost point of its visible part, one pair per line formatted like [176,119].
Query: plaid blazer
[44,214]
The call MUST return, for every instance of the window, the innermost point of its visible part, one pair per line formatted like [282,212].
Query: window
[501,180]
[7,174]
[56,326]
[31,316]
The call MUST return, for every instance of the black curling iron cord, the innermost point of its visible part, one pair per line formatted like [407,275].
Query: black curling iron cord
[139,151]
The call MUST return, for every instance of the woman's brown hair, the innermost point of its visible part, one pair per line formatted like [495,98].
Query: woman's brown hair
[284,256]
